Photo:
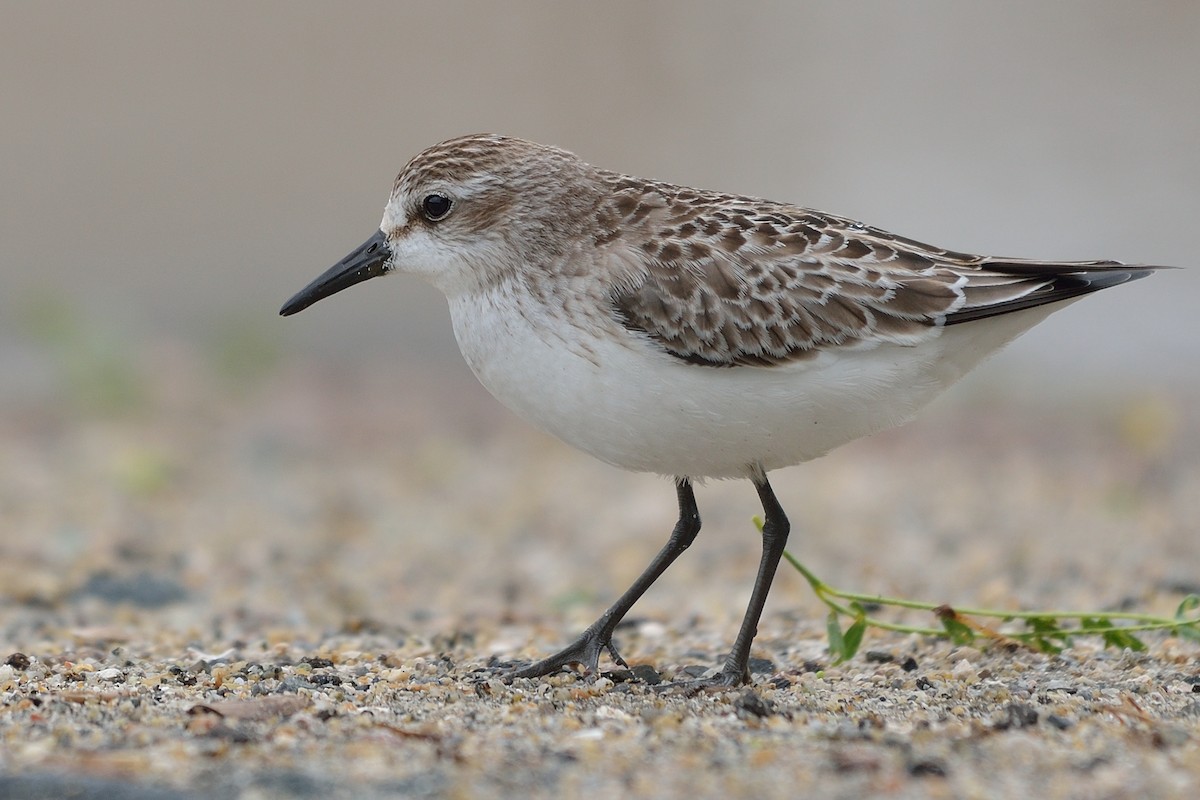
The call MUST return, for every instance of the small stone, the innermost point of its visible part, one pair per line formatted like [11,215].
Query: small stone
[752,704]
[965,671]
[1016,715]
[294,683]
[327,679]
[317,663]
[21,661]
[646,674]
[761,666]
[619,675]
[926,767]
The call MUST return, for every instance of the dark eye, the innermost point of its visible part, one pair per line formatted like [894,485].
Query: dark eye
[435,206]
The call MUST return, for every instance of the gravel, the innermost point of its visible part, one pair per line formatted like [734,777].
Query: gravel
[311,585]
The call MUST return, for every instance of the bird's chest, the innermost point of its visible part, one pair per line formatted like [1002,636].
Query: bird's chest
[543,359]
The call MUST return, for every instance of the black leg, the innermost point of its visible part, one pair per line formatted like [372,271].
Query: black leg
[598,637]
[774,534]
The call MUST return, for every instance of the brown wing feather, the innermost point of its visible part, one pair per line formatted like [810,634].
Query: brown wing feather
[730,281]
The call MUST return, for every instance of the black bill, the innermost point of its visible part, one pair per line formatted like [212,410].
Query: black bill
[367,261]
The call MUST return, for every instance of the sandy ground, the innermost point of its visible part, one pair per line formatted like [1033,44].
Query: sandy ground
[307,584]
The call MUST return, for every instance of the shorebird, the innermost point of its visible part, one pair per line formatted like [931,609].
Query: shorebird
[687,332]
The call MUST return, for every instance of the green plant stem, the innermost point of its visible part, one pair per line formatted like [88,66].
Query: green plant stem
[1146,622]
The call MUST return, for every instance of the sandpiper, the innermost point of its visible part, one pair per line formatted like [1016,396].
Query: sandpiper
[687,332]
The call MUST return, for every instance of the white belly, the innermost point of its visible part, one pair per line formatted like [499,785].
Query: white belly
[616,397]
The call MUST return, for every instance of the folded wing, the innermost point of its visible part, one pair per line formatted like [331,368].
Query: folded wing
[725,286]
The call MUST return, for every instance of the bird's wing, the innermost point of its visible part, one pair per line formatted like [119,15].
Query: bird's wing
[726,283]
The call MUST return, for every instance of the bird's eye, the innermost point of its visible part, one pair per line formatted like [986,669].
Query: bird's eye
[435,206]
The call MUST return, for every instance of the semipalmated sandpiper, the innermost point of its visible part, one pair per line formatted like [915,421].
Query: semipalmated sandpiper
[687,332]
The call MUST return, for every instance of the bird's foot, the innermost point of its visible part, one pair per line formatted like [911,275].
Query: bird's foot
[584,651]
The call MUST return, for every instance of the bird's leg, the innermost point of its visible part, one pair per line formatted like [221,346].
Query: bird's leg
[598,637]
[774,534]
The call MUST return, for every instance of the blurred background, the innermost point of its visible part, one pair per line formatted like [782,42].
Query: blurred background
[179,170]
[171,173]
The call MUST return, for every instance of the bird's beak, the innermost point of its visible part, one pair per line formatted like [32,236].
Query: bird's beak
[368,260]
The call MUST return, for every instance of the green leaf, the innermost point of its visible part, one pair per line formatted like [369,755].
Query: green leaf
[837,643]
[1046,635]
[1095,624]
[958,632]
[853,636]
[1189,604]
[1121,639]
[1045,626]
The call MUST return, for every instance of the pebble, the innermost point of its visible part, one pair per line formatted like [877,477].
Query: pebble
[318,600]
